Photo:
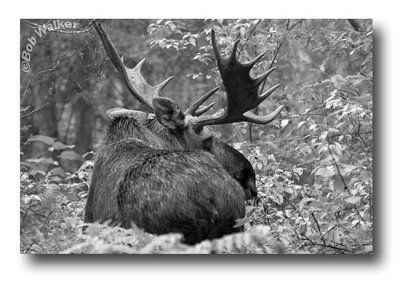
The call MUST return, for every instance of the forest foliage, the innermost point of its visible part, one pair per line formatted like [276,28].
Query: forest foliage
[314,163]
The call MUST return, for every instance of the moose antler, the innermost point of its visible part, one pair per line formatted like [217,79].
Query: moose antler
[133,78]
[241,90]
[194,109]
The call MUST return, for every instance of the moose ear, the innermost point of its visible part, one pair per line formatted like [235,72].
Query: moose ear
[168,113]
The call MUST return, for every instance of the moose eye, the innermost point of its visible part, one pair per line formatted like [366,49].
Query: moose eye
[207,144]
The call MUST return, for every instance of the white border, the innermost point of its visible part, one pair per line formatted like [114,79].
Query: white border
[383,267]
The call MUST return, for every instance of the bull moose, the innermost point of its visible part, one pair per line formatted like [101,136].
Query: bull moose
[163,169]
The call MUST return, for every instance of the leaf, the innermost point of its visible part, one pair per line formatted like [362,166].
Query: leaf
[312,127]
[352,200]
[31,198]
[325,173]
[60,146]
[322,148]
[242,31]
[42,138]
[192,41]
[298,170]
[303,228]
[277,198]
[79,187]
[70,155]
[346,169]
[300,124]
[315,205]
[53,187]
[355,222]
[333,130]
[284,122]
[287,173]
[58,171]
[237,145]
[328,206]
[323,135]
[42,161]
[242,221]
[71,196]
[367,249]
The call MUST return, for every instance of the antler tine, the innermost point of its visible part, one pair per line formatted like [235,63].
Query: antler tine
[215,48]
[133,78]
[250,117]
[193,108]
[264,76]
[266,94]
[203,109]
[241,89]
[234,50]
[250,64]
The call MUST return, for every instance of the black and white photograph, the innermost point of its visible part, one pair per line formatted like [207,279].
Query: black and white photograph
[196,136]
